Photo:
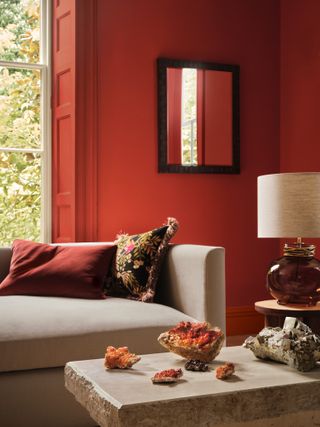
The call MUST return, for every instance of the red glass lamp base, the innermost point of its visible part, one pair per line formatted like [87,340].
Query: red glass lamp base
[295,280]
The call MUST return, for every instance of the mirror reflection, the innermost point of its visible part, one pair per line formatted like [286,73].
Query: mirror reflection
[198,117]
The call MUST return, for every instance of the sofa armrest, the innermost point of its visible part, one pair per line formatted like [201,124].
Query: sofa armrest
[193,281]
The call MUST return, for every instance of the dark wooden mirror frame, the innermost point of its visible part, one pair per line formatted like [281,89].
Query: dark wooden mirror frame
[163,166]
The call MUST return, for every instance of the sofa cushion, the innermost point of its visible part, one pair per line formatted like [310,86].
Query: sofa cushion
[39,332]
[46,270]
[137,263]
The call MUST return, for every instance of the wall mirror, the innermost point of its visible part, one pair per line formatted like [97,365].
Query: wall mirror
[198,117]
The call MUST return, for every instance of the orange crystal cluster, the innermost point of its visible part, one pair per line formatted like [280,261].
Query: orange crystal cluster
[119,358]
[194,334]
[193,341]
[224,371]
[167,376]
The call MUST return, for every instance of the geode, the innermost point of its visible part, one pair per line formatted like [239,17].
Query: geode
[119,358]
[193,341]
[295,345]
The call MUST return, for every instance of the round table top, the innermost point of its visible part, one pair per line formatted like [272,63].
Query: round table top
[272,307]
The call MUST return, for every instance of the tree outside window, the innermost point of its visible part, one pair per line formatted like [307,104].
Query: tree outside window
[21,147]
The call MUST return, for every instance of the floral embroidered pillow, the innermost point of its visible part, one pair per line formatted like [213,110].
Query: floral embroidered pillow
[137,262]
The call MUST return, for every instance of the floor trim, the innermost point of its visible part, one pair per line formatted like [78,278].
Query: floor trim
[243,320]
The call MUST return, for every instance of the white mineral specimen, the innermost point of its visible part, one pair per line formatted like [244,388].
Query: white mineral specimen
[295,345]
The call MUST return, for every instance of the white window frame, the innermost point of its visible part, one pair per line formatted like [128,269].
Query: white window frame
[45,118]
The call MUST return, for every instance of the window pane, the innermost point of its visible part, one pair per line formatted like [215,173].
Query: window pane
[189,117]
[19,196]
[19,108]
[19,30]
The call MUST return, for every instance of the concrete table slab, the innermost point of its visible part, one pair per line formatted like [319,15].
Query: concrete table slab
[260,394]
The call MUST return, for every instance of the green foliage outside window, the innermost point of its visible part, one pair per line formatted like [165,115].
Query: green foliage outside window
[20,172]
[189,115]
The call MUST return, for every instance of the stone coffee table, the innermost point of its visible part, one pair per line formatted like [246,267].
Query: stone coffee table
[260,394]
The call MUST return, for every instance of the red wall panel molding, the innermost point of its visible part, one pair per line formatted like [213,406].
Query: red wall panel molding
[74,121]
[86,121]
[63,122]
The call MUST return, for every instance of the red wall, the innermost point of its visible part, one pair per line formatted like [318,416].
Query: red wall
[300,85]
[300,88]
[212,209]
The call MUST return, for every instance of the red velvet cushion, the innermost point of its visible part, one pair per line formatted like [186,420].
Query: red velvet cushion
[63,271]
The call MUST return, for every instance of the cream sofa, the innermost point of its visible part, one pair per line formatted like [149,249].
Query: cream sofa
[38,335]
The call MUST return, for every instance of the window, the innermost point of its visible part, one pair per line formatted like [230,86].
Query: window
[24,121]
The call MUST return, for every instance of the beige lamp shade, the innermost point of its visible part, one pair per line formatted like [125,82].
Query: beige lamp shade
[289,205]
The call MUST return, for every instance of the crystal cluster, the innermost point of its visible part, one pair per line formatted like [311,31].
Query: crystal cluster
[119,358]
[193,341]
[295,344]
[167,376]
[224,371]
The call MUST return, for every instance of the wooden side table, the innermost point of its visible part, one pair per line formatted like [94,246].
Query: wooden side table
[274,314]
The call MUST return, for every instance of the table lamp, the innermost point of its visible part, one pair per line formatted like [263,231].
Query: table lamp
[289,207]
